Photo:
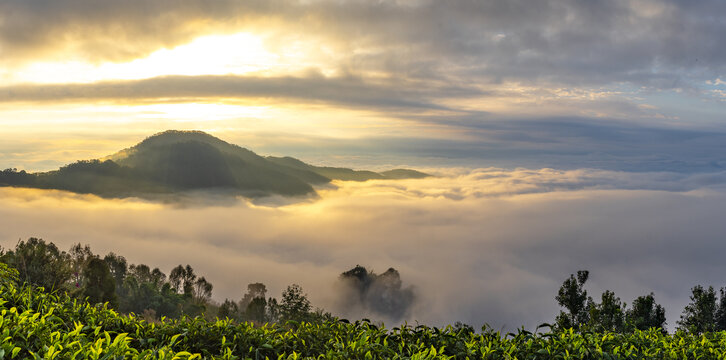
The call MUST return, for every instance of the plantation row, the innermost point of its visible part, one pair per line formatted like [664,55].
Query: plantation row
[35,324]
[92,306]
[136,288]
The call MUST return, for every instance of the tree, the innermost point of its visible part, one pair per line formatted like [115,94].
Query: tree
[170,303]
[143,273]
[254,290]
[609,315]
[699,316]
[228,310]
[256,310]
[721,312]
[158,277]
[645,313]
[197,291]
[80,255]
[272,313]
[294,304]
[253,304]
[175,277]
[12,176]
[202,291]
[40,264]
[118,267]
[182,279]
[386,295]
[359,289]
[573,297]
[144,289]
[99,286]
[139,296]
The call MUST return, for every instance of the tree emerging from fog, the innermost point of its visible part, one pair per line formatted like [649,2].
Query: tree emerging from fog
[363,292]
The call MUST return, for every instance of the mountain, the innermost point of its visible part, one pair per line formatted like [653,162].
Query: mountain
[175,161]
[328,172]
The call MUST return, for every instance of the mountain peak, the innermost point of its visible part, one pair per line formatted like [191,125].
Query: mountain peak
[174,160]
[170,136]
[180,133]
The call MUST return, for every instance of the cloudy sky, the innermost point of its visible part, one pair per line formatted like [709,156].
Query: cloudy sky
[413,81]
[567,134]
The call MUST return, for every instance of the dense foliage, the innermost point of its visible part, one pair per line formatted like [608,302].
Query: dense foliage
[75,304]
[138,289]
[705,313]
[610,314]
[37,324]
[127,288]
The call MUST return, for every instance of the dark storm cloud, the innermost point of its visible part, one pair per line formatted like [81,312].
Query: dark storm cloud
[661,44]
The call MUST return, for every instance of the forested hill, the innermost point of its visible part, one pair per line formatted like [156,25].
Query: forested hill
[175,161]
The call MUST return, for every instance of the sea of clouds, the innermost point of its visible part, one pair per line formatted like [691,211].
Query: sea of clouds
[487,245]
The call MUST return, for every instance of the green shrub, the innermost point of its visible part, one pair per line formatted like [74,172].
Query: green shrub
[36,324]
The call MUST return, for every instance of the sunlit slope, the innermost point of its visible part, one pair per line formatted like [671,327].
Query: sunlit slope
[175,161]
[196,160]
[241,162]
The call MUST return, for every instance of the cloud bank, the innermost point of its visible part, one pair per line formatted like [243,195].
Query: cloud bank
[481,141]
[617,85]
[352,92]
[487,245]
[622,59]
[663,44]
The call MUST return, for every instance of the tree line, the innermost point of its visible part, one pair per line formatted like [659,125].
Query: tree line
[706,312]
[139,289]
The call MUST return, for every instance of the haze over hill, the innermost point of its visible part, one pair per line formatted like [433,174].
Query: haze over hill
[175,161]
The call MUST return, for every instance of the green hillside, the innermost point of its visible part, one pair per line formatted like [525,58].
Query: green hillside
[175,161]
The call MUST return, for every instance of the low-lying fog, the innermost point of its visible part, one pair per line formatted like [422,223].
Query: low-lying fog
[483,245]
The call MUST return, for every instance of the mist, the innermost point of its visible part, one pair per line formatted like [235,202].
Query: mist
[383,295]
[476,245]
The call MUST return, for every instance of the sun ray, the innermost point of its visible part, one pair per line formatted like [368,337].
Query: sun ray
[240,53]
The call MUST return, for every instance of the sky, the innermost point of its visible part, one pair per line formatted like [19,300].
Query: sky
[565,134]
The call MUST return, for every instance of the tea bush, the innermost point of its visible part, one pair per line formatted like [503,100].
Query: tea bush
[35,324]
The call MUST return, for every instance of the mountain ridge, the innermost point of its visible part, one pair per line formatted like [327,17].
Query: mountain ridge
[176,161]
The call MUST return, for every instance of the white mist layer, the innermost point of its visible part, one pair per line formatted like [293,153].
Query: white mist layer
[479,246]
